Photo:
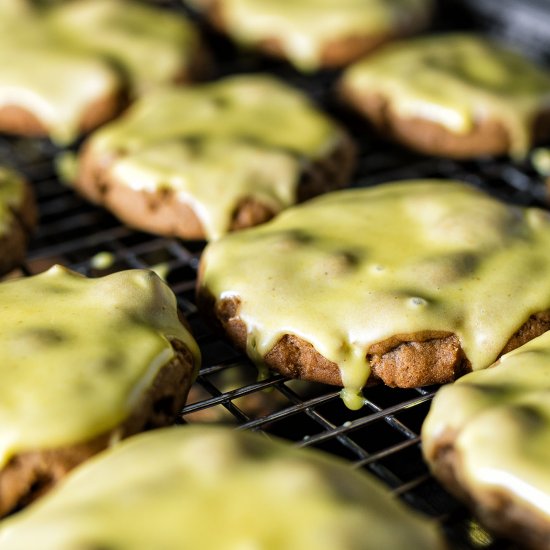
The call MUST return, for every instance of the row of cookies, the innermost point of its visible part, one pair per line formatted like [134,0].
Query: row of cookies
[158,182]
[163,166]
[68,69]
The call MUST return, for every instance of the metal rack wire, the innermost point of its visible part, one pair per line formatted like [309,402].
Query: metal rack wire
[383,437]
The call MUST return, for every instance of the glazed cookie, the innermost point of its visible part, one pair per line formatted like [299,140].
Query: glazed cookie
[167,489]
[17,218]
[84,363]
[48,88]
[311,34]
[198,162]
[68,69]
[416,283]
[152,46]
[487,438]
[454,95]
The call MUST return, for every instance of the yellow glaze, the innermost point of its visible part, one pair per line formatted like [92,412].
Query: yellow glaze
[12,190]
[456,80]
[216,489]
[215,144]
[304,28]
[54,81]
[501,418]
[77,354]
[353,268]
[153,47]
[103,260]
[541,160]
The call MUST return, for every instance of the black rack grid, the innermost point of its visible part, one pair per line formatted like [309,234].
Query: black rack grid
[383,437]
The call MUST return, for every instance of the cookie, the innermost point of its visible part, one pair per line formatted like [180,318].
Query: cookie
[17,218]
[152,46]
[455,95]
[313,35]
[167,489]
[48,88]
[84,363]
[201,161]
[68,69]
[410,283]
[487,438]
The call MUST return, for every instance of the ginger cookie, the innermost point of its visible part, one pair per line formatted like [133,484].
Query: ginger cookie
[84,363]
[411,283]
[456,95]
[487,438]
[200,161]
[49,88]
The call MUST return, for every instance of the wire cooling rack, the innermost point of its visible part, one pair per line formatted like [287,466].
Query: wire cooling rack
[383,437]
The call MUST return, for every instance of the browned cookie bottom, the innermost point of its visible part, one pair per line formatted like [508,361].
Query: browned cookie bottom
[488,137]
